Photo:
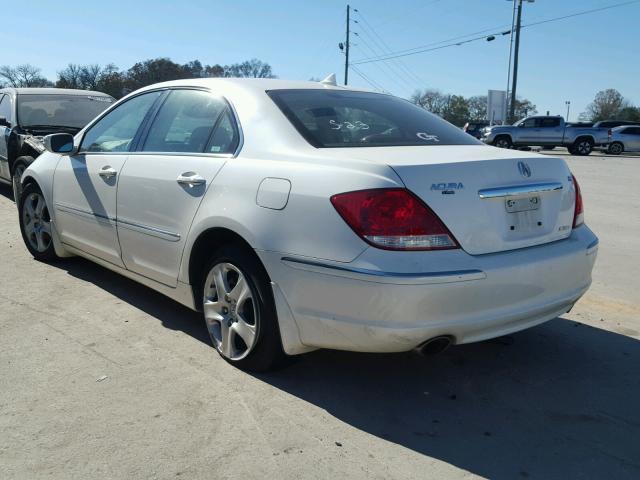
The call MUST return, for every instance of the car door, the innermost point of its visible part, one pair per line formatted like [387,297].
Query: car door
[631,139]
[162,184]
[528,131]
[84,184]
[5,131]
[549,131]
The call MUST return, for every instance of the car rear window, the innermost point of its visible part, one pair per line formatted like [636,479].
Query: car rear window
[334,118]
[60,110]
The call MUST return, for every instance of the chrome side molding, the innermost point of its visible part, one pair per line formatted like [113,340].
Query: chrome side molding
[519,190]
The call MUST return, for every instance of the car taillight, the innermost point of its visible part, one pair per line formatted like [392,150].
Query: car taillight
[578,211]
[609,133]
[393,219]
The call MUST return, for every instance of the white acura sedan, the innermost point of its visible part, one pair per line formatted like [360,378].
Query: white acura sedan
[299,215]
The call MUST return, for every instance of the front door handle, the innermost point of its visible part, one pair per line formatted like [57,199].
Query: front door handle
[190,179]
[107,172]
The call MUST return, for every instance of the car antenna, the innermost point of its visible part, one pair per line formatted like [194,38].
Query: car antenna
[330,80]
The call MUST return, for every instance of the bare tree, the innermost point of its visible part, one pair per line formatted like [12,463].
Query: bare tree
[478,107]
[23,76]
[432,100]
[90,76]
[70,77]
[607,105]
[253,68]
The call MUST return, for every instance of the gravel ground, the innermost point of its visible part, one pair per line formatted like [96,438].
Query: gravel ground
[103,378]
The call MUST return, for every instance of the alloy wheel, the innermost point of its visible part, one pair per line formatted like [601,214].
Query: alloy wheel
[502,143]
[584,147]
[615,149]
[230,311]
[36,222]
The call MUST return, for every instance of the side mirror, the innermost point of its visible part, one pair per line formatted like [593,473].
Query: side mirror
[4,122]
[59,143]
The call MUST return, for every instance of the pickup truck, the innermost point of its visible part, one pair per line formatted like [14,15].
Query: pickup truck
[547,132]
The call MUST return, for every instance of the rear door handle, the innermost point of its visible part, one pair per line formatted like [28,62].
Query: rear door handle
[107,172]
[190,179]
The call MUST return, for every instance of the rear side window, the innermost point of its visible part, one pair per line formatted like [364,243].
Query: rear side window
[185,123]
[334,118]
[632,131]
[549,122]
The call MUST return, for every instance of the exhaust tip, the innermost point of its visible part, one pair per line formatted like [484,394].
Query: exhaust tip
[434,345]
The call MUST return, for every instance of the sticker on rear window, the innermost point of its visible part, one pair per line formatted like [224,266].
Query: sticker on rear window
[427,137]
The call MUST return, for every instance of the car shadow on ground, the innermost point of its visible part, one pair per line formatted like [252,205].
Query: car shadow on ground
[561,400]
[172,315]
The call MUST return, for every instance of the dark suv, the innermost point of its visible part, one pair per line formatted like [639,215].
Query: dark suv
[613,123]
[28,114]
[475,128]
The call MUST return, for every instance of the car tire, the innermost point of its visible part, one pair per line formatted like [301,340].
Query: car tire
[582,147]
[239,310]
[616,148]
[19,166]
[35,224]
[502,142]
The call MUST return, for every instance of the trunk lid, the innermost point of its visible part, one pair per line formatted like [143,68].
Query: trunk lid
[491,200]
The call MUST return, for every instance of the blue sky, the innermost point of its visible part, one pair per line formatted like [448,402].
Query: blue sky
[566,60]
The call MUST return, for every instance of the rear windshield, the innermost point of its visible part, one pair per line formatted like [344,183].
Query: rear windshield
[330,118]
[60,110]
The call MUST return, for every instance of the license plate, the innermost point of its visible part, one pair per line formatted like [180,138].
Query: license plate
[522,204]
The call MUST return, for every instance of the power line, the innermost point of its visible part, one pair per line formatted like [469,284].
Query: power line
[416,50]
[388,70]
[394,71]
[371,82]
[384,47]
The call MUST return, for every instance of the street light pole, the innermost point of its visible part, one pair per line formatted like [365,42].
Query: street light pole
[568,104]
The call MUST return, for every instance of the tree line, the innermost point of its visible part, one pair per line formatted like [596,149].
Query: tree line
[110,79]
[607,105]
[459,110]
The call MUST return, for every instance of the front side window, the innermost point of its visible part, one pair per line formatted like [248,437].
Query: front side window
[334,118]
[185,122]
[72,112]
[116,130]
[530,123]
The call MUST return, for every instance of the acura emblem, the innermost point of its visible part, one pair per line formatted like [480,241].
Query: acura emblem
[524,169]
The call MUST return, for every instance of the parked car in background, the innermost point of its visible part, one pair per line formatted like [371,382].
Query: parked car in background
[580,124]
[624,139]
[28,114]
[613,123]
[546,132]
[300,215]
[475,128]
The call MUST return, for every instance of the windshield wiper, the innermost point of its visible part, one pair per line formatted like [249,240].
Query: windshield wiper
[52,127]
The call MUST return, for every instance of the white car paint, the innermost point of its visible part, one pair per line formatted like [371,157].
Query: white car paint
[331,288]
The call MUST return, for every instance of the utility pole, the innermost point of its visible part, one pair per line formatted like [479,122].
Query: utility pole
[568,104]
[346,49]
[512,103]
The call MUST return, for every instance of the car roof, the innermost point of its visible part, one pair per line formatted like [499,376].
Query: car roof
[252,84]
[619,128]
[51,91]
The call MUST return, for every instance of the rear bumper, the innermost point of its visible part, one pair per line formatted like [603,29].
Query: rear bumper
[393,301]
